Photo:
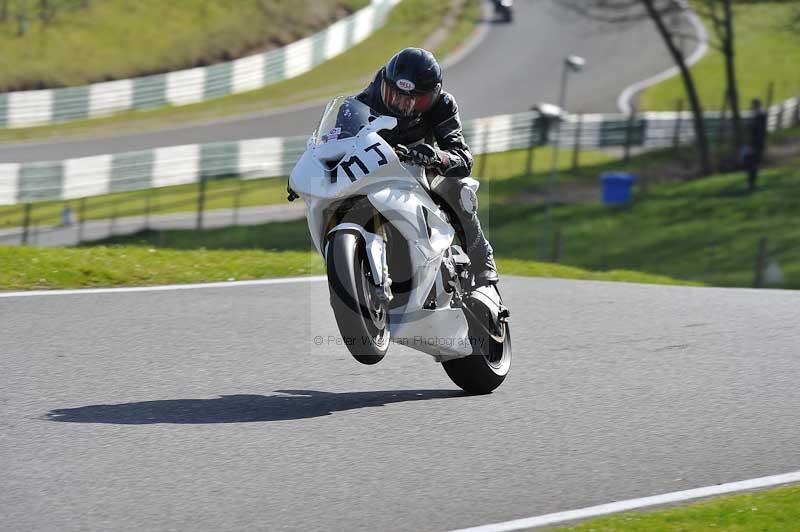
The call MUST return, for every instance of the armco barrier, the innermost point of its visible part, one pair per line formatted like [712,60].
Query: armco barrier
[41,107]
[270,157]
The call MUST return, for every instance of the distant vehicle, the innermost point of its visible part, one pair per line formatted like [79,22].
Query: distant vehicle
[504,9]
[394,273]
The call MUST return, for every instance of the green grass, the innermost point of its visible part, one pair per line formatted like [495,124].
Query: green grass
[776,510]
[705,230]
[549,269]
[136,265]
[767,49]
[237,253]
[409,24]
[38,268]
[117,39]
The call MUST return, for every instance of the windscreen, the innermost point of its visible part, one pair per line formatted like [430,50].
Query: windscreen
[344,118]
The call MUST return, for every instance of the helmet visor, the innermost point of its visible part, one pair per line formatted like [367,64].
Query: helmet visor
[406,103]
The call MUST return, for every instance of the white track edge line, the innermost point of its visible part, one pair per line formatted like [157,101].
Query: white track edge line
[164,288]
[634,504]
[624,99]
[472,42]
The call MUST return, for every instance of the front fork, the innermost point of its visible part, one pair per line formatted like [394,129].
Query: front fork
[375,244]
[385,293]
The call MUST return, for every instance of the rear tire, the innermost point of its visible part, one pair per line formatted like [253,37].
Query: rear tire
[488,365]
[361,317]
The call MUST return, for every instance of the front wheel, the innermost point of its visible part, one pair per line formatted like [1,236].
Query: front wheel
[488,365]
[362,316]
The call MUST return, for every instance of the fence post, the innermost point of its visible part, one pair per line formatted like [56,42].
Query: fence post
[557,245]
[779,121]
[576,152]
[629,135]
[761,261]
[201,201]
[113,223]
[147,208]
[797,110]
[722,118]
[722,132]
[531,147]
[237,201]
[26,224]
[676,135]
[82,218]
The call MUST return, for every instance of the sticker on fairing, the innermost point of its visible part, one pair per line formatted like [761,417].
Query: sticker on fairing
[333,134]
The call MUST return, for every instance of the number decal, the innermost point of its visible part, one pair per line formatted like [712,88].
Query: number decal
[377,149]
[346,166]
[348,163]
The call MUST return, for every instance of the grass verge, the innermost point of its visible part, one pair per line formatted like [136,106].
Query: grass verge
[767,50]
[776,510]
[119,39]
[102,266]
[705,230]
[238,253]
[409,24]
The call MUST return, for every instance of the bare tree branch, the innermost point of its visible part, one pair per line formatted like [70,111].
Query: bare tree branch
[659,12]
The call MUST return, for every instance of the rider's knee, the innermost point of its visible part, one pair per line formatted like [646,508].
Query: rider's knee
[468,200]
[458,195]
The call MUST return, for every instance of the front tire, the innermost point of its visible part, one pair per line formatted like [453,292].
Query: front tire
[488,365]
[362,317]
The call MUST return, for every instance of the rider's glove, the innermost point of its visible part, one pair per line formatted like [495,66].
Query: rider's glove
[429,157]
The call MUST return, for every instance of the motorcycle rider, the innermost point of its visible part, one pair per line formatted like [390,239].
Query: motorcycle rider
[409,88]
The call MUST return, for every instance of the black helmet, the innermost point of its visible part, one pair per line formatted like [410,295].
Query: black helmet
[412,82]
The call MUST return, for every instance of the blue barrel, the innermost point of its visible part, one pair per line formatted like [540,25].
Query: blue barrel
[617,187]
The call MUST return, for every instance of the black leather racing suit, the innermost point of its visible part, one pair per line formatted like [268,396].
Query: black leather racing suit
[441,125]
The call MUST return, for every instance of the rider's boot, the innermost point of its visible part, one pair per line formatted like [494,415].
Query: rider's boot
[482,265]
[477,248]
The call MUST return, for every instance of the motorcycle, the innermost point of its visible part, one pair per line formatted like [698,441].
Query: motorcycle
[394,274]
[504,9]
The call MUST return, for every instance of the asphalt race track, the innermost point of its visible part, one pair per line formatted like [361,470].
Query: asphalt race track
[514,68]
[213,409]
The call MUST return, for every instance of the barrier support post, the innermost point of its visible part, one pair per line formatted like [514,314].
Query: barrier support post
[81,218]
[201,201]
[26,224]
[576,151]
[761,260]
[676,135]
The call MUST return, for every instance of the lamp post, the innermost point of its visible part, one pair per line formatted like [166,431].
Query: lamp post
[572,63]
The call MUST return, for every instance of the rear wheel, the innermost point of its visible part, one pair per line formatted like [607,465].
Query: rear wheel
[488,365]
[362,316]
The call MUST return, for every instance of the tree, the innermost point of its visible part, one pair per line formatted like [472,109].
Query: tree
[721,14]
[659,12]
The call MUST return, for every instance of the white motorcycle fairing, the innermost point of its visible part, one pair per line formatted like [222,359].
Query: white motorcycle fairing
[332,170]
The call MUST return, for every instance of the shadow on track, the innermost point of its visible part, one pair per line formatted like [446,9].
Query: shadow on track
[293,404]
